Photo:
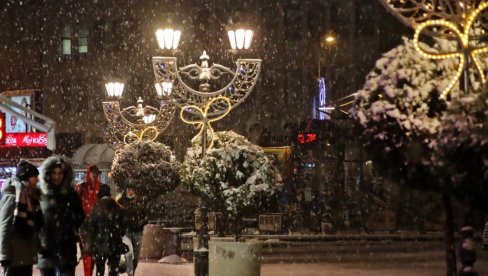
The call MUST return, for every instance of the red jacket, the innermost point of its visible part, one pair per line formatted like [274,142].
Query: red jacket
[88,193]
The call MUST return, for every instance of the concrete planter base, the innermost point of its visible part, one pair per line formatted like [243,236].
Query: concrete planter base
[235,258]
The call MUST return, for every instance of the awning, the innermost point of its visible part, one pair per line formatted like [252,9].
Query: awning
[99,154]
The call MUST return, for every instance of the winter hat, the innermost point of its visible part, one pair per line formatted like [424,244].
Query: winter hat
[26,170]
[94,169]
[131,184]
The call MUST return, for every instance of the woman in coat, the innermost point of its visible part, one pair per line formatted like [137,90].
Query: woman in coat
[63,215]
[20,220]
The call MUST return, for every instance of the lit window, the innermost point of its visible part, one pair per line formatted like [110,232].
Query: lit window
[83,40]
[66,41]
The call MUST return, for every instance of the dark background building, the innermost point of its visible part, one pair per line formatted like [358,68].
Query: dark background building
[69,49]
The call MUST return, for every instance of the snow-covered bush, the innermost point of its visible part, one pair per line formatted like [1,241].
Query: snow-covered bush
[399,110]
[151,165]
[235,177]
[461,148]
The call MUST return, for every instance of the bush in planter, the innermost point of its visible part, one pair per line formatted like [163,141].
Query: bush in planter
[153,167]
[235,178]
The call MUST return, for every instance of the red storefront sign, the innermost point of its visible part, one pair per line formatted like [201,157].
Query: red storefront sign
[305,138]
[25,140]
[2,128]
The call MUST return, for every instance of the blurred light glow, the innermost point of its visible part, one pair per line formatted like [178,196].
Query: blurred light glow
[330,39]
[164,88]
[149,118]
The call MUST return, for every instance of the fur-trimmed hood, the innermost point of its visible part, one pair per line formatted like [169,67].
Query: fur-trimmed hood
[48,166]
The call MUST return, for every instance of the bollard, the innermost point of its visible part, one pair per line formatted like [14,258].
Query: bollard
[201,254]
[467,252]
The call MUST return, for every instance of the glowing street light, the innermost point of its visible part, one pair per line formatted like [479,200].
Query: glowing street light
[240,38]
[168,39]
[114,89]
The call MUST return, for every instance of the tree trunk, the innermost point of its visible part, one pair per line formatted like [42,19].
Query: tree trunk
[449,237]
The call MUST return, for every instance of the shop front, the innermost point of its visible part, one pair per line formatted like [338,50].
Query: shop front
[31,146]
[101,155]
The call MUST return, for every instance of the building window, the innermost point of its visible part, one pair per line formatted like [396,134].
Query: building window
[66,41]
[83,40]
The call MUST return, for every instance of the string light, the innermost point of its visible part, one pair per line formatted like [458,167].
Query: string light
[463,37]
[144,135]
[203,114]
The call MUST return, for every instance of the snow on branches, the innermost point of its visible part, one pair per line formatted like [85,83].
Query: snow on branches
[150,165]
[401,115]
[235,177]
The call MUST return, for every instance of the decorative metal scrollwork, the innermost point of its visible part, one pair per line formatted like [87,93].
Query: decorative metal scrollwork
[242,81]
[131,120]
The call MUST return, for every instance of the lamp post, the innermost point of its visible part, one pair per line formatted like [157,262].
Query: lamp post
[201,106]
[129,124]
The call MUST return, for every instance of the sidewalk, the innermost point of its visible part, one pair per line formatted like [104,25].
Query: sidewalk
[426,264]
[356,269]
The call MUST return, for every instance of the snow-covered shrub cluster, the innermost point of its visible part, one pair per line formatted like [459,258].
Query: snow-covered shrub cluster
[399,109]
[150,165]
[235,177]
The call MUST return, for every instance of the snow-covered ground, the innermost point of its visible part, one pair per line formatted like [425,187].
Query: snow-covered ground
[428,263]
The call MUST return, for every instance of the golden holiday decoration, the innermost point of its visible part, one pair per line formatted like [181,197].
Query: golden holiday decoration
[148,134]
[202,118]
[415,12]
[469,50]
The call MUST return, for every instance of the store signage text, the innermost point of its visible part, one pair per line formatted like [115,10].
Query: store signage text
[2,128]
[29,139]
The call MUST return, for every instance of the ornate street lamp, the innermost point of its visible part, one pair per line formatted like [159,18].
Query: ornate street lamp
[200,106]
[203,105]
[129,124]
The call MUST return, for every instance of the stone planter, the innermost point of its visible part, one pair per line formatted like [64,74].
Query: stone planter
[235,258]
[153,240]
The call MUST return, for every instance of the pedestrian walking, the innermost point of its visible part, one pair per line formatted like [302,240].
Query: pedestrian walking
[63,216]
[106,229]
[135,220]
[88,193]
[20,220]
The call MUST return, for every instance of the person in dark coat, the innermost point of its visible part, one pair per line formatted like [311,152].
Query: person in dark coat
[135,220]
[20,220]
[63,216]
[106,229]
